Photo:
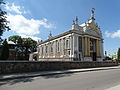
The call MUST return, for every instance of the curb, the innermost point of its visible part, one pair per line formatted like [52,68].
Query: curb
[36,74]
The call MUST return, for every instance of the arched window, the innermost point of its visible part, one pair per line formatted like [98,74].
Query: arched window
[51,49]
[46,48]
[42,49]
[58,46]
[91,44]
[67,43]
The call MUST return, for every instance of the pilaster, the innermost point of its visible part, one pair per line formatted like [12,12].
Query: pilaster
[73,45]
[88,53]
[85,46]
[98,47]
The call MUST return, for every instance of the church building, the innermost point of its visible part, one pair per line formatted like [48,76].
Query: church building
[83,42]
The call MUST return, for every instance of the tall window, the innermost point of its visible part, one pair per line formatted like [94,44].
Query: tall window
[51,47]
[39,49]
[42,50]
[46,49]
[67,43]
[68,52]
[91,44]
[80,43]
[58,46]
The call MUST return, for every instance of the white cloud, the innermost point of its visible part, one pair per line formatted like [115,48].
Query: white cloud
[107,34]
[115,34]
[13,8]
[22,25]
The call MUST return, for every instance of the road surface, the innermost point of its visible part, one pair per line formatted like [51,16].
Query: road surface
[94,80]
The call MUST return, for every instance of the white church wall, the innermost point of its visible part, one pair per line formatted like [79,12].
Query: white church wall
[88,59]
[100,59]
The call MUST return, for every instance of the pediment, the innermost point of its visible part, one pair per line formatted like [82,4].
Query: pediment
[94,32]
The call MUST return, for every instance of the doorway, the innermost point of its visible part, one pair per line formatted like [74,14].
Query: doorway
[94,56]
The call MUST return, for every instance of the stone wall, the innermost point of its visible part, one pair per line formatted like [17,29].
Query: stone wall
[7,67]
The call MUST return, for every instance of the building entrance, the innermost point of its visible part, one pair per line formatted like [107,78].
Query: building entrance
[94,56]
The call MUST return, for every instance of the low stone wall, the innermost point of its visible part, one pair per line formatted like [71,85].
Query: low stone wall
[7,67]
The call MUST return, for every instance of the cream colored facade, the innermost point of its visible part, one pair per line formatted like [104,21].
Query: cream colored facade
[82,43]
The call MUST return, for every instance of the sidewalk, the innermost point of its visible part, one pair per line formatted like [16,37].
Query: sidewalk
[35,74]
[115,88]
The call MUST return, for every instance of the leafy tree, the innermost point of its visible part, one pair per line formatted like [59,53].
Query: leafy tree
[118,54]
[4,50]
[16,39]
[114,56]
[24,46]
[3,22]
[108,58]
[29,46]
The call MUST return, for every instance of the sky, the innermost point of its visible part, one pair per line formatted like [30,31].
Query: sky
[36,18]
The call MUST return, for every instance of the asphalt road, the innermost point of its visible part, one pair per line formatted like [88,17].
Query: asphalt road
[94,80]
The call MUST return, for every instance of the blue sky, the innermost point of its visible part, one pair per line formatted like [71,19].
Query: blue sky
[43,16]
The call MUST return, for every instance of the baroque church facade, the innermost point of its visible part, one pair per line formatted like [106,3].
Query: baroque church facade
[83,42]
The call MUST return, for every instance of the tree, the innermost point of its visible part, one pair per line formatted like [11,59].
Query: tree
[4,50]
[3,21]
[118,54]
[108,58]
[16,39]
[24,46]
[29,46]
[114,56]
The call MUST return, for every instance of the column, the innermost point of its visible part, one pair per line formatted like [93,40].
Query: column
[70,46]
[77,43]
[88,53]
[48,50]
[98,48]
[64,46]
[62,50]
[59,47]
[77,48]
[54,48]
[102,51]
[73,45]
[43,50]
[85,46]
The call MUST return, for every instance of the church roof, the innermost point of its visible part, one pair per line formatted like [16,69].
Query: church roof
[89,28]
[69,32]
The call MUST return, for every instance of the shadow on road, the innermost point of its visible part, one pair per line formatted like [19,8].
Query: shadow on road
[56,76]
[15,81]
[30,79]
